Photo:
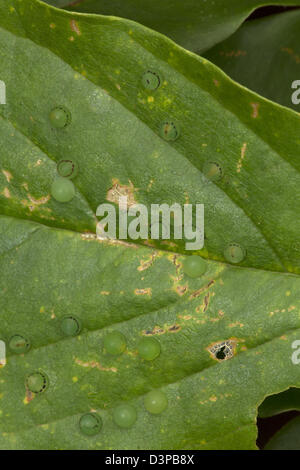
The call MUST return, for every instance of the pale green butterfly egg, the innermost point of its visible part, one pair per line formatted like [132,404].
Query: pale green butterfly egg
[194,266]
[62,189]
[124,415]
[155,402]
[115,343]
[149,348]
[90,424]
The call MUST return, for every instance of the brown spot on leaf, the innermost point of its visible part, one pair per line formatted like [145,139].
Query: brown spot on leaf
[174,328]
[75,27]
[117,190]
[181,290]
[157,330]
[201,290]
[222,350]
[29,396]
[145,264]
[206,302]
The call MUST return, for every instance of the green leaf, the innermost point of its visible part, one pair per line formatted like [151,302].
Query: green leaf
[116,127]
[279,403]
[226,337]
[287,438]
[264,55]
[196,25]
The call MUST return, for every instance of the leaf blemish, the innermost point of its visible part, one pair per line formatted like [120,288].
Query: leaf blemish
[95,365]
[145,264]
[222,350]
[117,190]
[147,291]
[75,27]
[243,153]
[181,290]
[7,175]
[255,110]
[6,193]
[174,328]
[200,291]
[29,396]
[155,331]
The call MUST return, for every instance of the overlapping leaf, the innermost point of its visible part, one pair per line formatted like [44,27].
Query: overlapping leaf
[264,55]
[196,25]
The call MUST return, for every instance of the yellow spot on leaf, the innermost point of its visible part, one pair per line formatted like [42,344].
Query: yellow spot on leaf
[7,175]
[255,108]
[147,291]
[243,153]
[75,27]
[95,365]
[6,193]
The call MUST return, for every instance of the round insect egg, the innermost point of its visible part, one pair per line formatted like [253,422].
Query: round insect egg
[124,416]
[62,189]
[194,266]
[155,402]
[149,348]
[115,343]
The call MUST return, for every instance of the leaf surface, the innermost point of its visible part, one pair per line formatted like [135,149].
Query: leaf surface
[52,265]
[287,438]
[196,25]
[264,55]
[276,404]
